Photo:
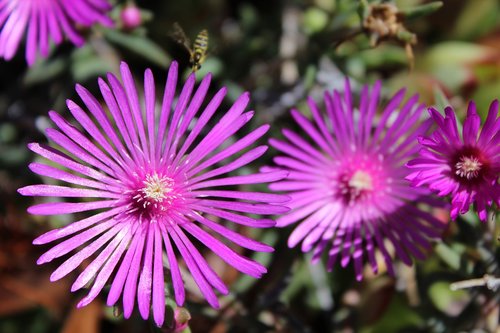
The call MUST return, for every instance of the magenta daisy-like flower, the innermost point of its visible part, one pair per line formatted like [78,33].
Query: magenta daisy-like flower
[44,20]
[160,181]
[347,183]
[465,168]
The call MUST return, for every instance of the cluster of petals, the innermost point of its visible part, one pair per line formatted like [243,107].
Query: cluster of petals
[464,167]
[157,174]
[45,20]
[349,195]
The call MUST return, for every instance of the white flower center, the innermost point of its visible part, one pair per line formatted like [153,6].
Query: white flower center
[361,181]
[356,186]
[155,192]
[468,167]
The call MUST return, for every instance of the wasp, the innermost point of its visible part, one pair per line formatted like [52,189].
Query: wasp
[197,50]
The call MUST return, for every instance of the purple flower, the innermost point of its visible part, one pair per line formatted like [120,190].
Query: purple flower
[44,20]
[348,187]
[466,168]
[156,178]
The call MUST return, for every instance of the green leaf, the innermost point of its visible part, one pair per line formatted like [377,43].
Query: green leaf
[140,45]
[477,18]
[233,90]
[422,10]
[44,71]
[440,99]
[86,64]
[310,76]
[315,20]
[384,55]
[485,94]
[246,281]
[446,300]
[211,65]
[449,256]
[450,62]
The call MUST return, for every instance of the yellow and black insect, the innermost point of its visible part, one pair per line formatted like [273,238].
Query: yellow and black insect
[198,50]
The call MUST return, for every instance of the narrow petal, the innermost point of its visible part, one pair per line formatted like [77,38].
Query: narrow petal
[158,279]
[146,276]
[52,208]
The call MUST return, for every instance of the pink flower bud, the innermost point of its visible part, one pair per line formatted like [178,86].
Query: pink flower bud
[181,318]
[131,17]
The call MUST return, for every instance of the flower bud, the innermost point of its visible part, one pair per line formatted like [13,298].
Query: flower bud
[131,17]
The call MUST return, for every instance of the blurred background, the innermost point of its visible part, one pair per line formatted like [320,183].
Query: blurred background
[282,52]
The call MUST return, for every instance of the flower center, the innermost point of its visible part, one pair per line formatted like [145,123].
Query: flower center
[354,187]
[361,181]
[468,167]
[155,195]
[156,188]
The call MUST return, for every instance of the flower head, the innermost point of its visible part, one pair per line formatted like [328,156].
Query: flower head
[44,20]
[156,178]
[465,168]
[348,187]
